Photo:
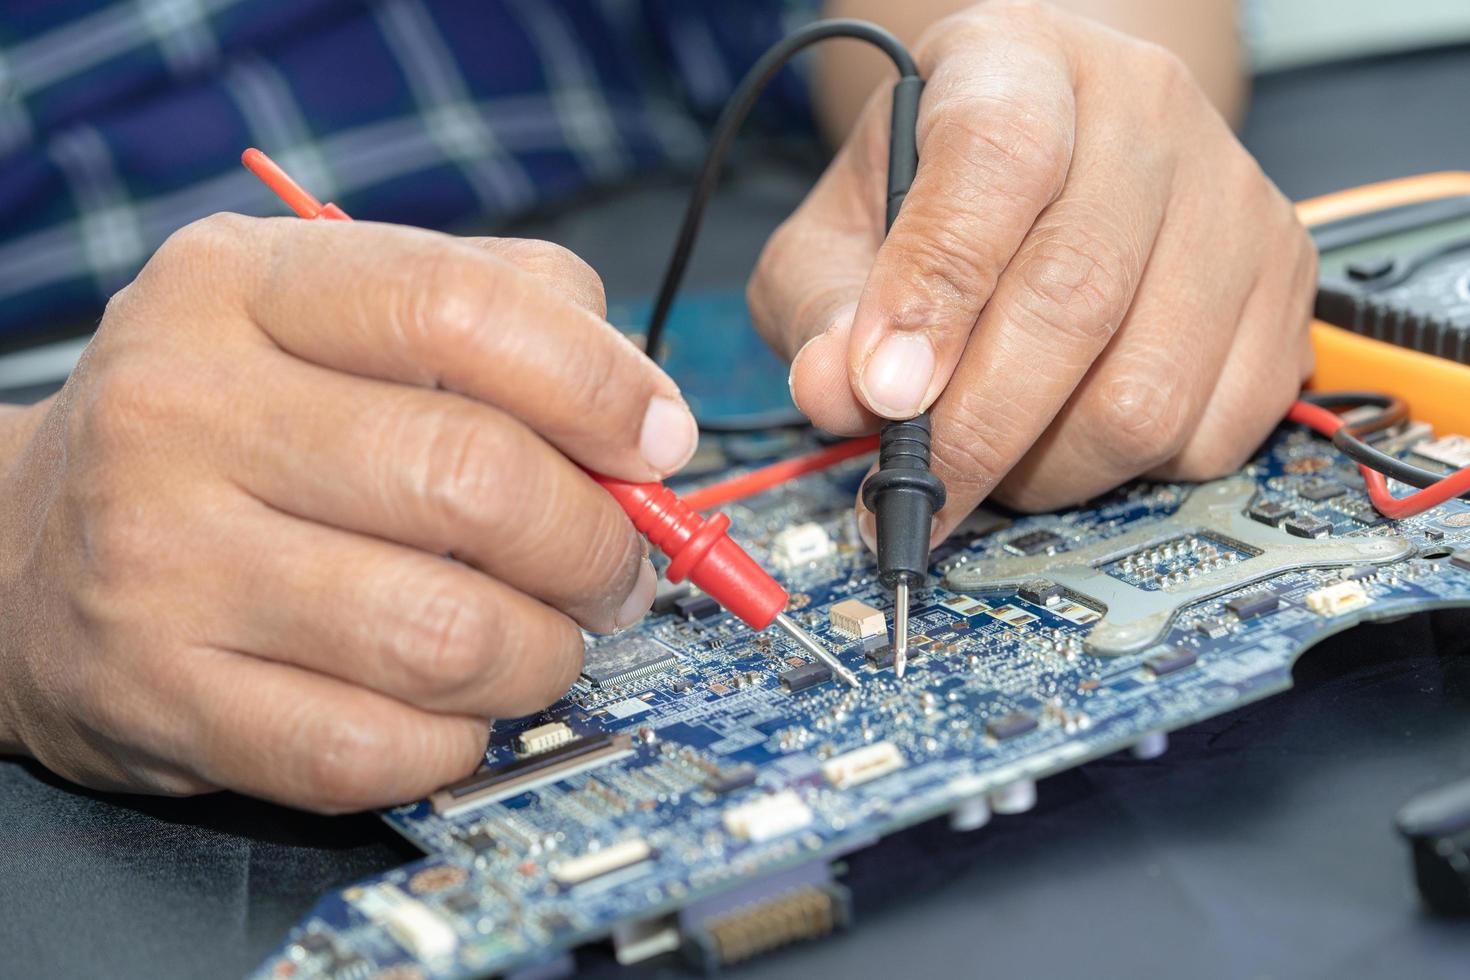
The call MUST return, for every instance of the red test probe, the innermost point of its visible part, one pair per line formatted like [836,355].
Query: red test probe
[699,548]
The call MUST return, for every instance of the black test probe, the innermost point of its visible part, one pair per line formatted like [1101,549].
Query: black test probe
[903,494]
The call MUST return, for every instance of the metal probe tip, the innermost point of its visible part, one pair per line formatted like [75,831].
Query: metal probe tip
[811,646]
[900,628]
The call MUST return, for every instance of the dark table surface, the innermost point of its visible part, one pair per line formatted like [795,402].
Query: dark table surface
[1259,846]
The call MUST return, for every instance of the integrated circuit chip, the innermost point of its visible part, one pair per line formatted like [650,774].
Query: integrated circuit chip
[807,675]
[697,607]
[1461,559]
[1271,512]
[1253,604]
[1170,662]
[626,659]
[1307,526]
[1011,725]
[1040,591]
[1322,489]
[1035,542]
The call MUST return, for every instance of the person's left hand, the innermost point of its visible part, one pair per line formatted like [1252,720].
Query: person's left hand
[1089,280]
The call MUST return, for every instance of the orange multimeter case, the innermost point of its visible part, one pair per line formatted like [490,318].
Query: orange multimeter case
[1395,286]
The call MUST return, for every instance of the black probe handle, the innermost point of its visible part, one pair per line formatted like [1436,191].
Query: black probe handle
[903,494]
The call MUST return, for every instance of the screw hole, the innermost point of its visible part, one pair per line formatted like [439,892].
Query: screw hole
[1435,552]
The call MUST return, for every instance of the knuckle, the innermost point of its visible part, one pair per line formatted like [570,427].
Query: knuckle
[459,464]
[200,245]
[1075,284]
[348,764]
[1140,421]
[565,271]
[450,641]
[1012,144]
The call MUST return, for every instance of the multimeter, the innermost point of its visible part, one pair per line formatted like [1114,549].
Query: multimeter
[1393,299]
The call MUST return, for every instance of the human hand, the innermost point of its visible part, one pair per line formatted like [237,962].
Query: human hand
[1090,279]
[305,515]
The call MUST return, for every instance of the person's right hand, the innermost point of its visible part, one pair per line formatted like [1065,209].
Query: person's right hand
[304,517]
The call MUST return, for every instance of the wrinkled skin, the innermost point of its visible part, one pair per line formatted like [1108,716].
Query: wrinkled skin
[1090,279]
[303,518]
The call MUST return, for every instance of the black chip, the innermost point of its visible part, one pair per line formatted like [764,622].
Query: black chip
[667,595]
[1271,512]
[879,657]
[1011,725]
[478,840]
[1040,591]
[696,607]
[1433,534]
[807,675]
[1253,604]
[1168,663]
[462,902]
[1322,489]
[1035,542]
[1307,526]
[731,779]
[1461,559]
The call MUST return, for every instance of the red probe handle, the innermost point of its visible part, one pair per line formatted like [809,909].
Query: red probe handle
[700,550]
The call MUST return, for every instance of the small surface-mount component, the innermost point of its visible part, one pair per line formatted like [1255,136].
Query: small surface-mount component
[412,924]
[1271,512]
[1010,725]
[1452,450]
[1035,542]
[768,817]
[603,861]
[1461,559]
[964,605]
[625,659]
[879,657]
[494,783]
[1040,591]
[801,545]
[1338,598]
[667,594]
[1253,604]
[862,765]
[858,620]
[1307,526]
[1321,489]
[1013,615]
[542,738]
[478,840]
[1213,628]
[1433,534]
[731,778]
[696,608]
[463,903]
[807,675]
[1170,662]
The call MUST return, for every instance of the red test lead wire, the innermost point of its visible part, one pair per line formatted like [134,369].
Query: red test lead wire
[699,549]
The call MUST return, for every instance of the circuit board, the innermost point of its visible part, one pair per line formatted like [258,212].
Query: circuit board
[694,788]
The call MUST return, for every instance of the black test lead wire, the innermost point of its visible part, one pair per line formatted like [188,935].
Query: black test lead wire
[903,494]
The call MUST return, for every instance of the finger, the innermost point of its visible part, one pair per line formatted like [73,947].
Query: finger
[422,629]
[810,275]
[307,740]
[1264,373]
[995,145]
[441,473]
[418,307]
[1148,389]
[1055,308]
[558,269]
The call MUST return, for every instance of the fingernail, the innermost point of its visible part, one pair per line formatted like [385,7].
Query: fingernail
[640,600]
[898,374]
[669,435]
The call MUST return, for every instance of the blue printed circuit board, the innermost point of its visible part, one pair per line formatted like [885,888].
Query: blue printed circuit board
[695,786]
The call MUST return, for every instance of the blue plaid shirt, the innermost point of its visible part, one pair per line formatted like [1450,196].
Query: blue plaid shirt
[121,121]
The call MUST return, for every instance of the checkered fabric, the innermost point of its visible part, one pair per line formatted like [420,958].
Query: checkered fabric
[122,121]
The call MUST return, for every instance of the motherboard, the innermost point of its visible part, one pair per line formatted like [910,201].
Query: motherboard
[693,790]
